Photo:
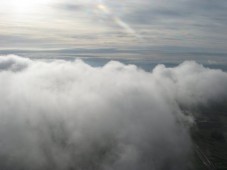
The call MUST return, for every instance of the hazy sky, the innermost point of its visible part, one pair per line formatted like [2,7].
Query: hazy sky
[59,24]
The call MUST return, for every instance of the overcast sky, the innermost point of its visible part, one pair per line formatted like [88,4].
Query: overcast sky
[198,25]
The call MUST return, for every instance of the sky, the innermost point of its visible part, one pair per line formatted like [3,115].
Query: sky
[72,114]
[138,25]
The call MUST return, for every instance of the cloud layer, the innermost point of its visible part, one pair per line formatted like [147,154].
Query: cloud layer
[124,24]
[68,115]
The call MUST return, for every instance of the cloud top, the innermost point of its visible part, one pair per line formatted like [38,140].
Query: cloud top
[69,115]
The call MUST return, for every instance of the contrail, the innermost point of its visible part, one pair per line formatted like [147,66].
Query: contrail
[101,6]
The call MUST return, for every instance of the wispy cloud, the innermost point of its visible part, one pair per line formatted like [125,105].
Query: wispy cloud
[182,23]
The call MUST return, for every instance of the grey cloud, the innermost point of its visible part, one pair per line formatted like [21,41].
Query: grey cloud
[70,7]
[203,22]
[68,115]
[188,23]
[186,15]
[16,39]
[13,63]
[178,9]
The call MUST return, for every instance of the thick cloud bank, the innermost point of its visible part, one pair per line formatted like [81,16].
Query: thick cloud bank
[64,115]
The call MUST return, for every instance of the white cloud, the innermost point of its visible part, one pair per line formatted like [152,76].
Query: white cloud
[62,114]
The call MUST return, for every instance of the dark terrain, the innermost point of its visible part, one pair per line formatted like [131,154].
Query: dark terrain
[209,134]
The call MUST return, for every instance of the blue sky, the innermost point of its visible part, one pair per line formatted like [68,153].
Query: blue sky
[158,25]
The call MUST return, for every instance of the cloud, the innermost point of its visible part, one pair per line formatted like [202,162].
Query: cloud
[180,23]
[13,63]
[69,115]
[189,23]
[177,9]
